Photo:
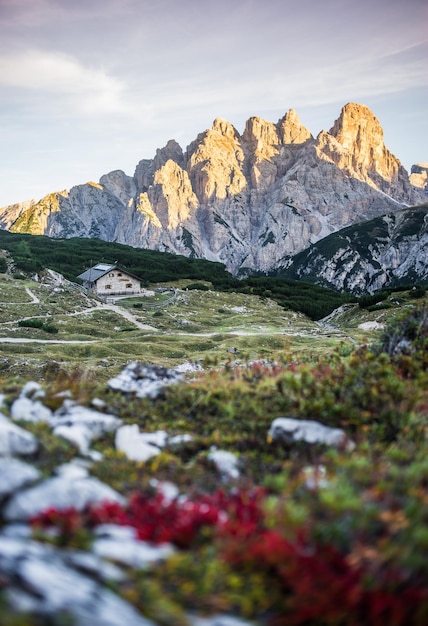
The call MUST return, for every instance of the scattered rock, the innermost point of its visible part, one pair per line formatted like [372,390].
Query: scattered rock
[144,380]
[15,441]
[168,490]
[131,552]
[188,367]
[14,475]
[371,326]
[177,440]
[81,425]
[134,444]
[217,620]
[33,390]
[53,586]
[61,493]
[99,404]
[291,430]
[225,462]
[72,471]
[30,410]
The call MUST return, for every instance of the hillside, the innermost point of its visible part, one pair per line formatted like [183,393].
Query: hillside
[387,251]
[31,254]
[130,492]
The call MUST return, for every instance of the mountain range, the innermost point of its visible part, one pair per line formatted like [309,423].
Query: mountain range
[260,201]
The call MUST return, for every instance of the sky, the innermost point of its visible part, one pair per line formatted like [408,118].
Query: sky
[91,86]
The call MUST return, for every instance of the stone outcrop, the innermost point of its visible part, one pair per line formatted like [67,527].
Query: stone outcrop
[383,252]
[251,201]
[419,176]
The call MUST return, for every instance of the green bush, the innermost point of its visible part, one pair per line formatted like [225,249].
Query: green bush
[50,328]
[33,323]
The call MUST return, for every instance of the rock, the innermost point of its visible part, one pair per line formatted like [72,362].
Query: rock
[168,490]
[42,581]
[98,404]
[289,430]
[134,444]
[145,381]
[15,441]
[29,410]
[72,471]
[96,423]
[419,176]
[60,493]
[131,552]
[188,367]
[14,475]
[225,462]
[81,425]
[33,390]
[217,620]
[177,440]
[371,326]
[93,565]
[76,434]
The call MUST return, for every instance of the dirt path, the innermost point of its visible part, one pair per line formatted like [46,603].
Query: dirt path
[34,298]
[120,311]
[44,341]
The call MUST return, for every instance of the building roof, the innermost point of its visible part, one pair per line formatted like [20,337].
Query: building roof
[97,271]
[94,273]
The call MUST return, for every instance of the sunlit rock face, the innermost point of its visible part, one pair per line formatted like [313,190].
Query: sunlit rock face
[419,176]
[251,201]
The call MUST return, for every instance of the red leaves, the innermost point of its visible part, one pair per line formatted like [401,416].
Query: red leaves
[318,583]
[67,521]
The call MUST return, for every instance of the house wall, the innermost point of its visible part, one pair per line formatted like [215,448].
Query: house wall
[117,282]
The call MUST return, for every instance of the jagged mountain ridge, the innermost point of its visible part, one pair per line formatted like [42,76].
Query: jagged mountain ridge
[250,201]
[384,252]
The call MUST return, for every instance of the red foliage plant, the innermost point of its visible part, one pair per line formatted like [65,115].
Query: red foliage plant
[319,584]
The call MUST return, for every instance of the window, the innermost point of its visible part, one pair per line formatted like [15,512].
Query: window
[129,285]
[119,274]
[108,286]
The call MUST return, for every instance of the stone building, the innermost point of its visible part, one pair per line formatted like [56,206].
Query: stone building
[110,280]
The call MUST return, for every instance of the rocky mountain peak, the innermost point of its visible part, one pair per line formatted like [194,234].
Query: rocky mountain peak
[357,127]
[250,200]
[356,145]
[291,130]
[225,128]
[261,133]
[146,168]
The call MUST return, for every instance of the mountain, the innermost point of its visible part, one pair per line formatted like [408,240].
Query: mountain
[383,252]
[251,201]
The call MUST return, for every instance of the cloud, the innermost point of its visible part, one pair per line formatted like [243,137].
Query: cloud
[89,89]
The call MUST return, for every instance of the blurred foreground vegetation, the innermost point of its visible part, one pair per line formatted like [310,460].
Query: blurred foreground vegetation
[306,535]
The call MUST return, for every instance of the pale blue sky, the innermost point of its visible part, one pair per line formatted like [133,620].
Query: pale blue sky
[89,86]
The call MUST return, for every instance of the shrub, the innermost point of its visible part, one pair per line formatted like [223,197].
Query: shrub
[50,328]
[33,323]
[407,335]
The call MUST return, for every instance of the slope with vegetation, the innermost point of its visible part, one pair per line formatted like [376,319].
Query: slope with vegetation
[304,533]
[71,257]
